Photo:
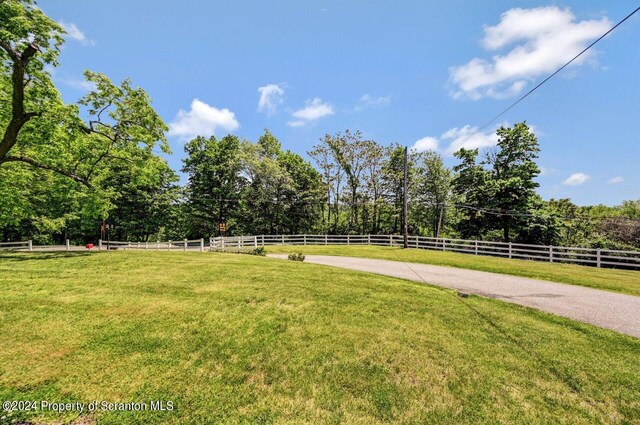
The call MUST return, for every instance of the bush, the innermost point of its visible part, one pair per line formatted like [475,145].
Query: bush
[255,251]
[297,257]
[259,251]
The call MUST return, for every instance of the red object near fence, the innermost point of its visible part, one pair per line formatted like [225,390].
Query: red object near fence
[89,246]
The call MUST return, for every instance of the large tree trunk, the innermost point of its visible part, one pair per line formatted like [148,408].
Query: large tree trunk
[19,117]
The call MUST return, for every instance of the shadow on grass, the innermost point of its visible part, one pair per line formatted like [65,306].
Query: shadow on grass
[29,256]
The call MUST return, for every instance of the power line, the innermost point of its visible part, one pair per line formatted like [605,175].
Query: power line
[459,144]
[491,211]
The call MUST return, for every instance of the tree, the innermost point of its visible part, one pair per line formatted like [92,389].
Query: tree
[143,201]
[470,185]
[350,151]
[499,193]
[306,195]
[283,192]
[332,177]
[29,41]
[39,130]
[513,176]
[431,190]
[215,183]
[268,184]
[393,177]
[374,184]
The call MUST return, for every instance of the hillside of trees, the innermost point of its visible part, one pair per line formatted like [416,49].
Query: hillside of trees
[67,170]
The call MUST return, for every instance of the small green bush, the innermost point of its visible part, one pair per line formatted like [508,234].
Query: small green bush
[297,257]
[259,251]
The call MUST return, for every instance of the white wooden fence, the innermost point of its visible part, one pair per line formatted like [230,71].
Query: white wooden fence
[585,256]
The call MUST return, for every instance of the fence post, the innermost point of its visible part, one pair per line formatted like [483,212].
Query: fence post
[68,246]
[157,245]
[99,244]
[326,239]
[348,240]
[509,249]
[255,241]
[598,257]
[138,245]
[476,247]
[169,244]
[185,246]
[282,239]
[222,241]
[444,244]
[368,239]
[241,242]
[201,244]
[30,245]
[304,239]
[390,240]
[551,254]
[416,241]
[146,246]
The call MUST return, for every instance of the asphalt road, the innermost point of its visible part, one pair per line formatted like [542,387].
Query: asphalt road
[618,312]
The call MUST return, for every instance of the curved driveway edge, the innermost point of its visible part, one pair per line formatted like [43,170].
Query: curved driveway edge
[618,312]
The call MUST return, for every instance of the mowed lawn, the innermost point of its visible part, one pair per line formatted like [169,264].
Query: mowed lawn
[616,280]
[241,339]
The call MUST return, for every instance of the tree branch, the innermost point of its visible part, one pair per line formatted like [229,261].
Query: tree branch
[7,48]
[42,166]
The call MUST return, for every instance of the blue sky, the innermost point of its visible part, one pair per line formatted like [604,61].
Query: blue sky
[420,73]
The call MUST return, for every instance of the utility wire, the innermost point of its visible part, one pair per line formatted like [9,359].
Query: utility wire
[491,211]
[459,144]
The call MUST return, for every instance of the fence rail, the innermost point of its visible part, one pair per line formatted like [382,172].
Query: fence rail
[585,256]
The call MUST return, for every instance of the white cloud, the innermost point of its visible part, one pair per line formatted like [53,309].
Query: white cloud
[368,101]
[477,141]
[270,98]
[541,40]
[425,144]
[616,180]
[576,179]
[79,84]
[75,33]
[314,109]
[296,123]
[202,120]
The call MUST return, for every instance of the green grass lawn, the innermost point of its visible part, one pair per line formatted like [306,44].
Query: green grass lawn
[625,281]
[241,339]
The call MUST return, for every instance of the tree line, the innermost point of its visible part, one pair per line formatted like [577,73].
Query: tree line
[92,169]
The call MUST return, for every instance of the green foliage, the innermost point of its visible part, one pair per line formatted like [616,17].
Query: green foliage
[431,191]
[260,251]
[255,188]
[215,183]
[297,256]
[503,183]
[57,169]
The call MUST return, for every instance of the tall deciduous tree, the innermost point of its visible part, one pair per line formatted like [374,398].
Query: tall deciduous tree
[431,190]
[470,185]
[215,183]
[513,174]
[38,129]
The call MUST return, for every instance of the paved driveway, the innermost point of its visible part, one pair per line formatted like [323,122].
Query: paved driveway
[609,310]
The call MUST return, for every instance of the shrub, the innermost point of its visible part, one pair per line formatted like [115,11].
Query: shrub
[259,251]
[296,257]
